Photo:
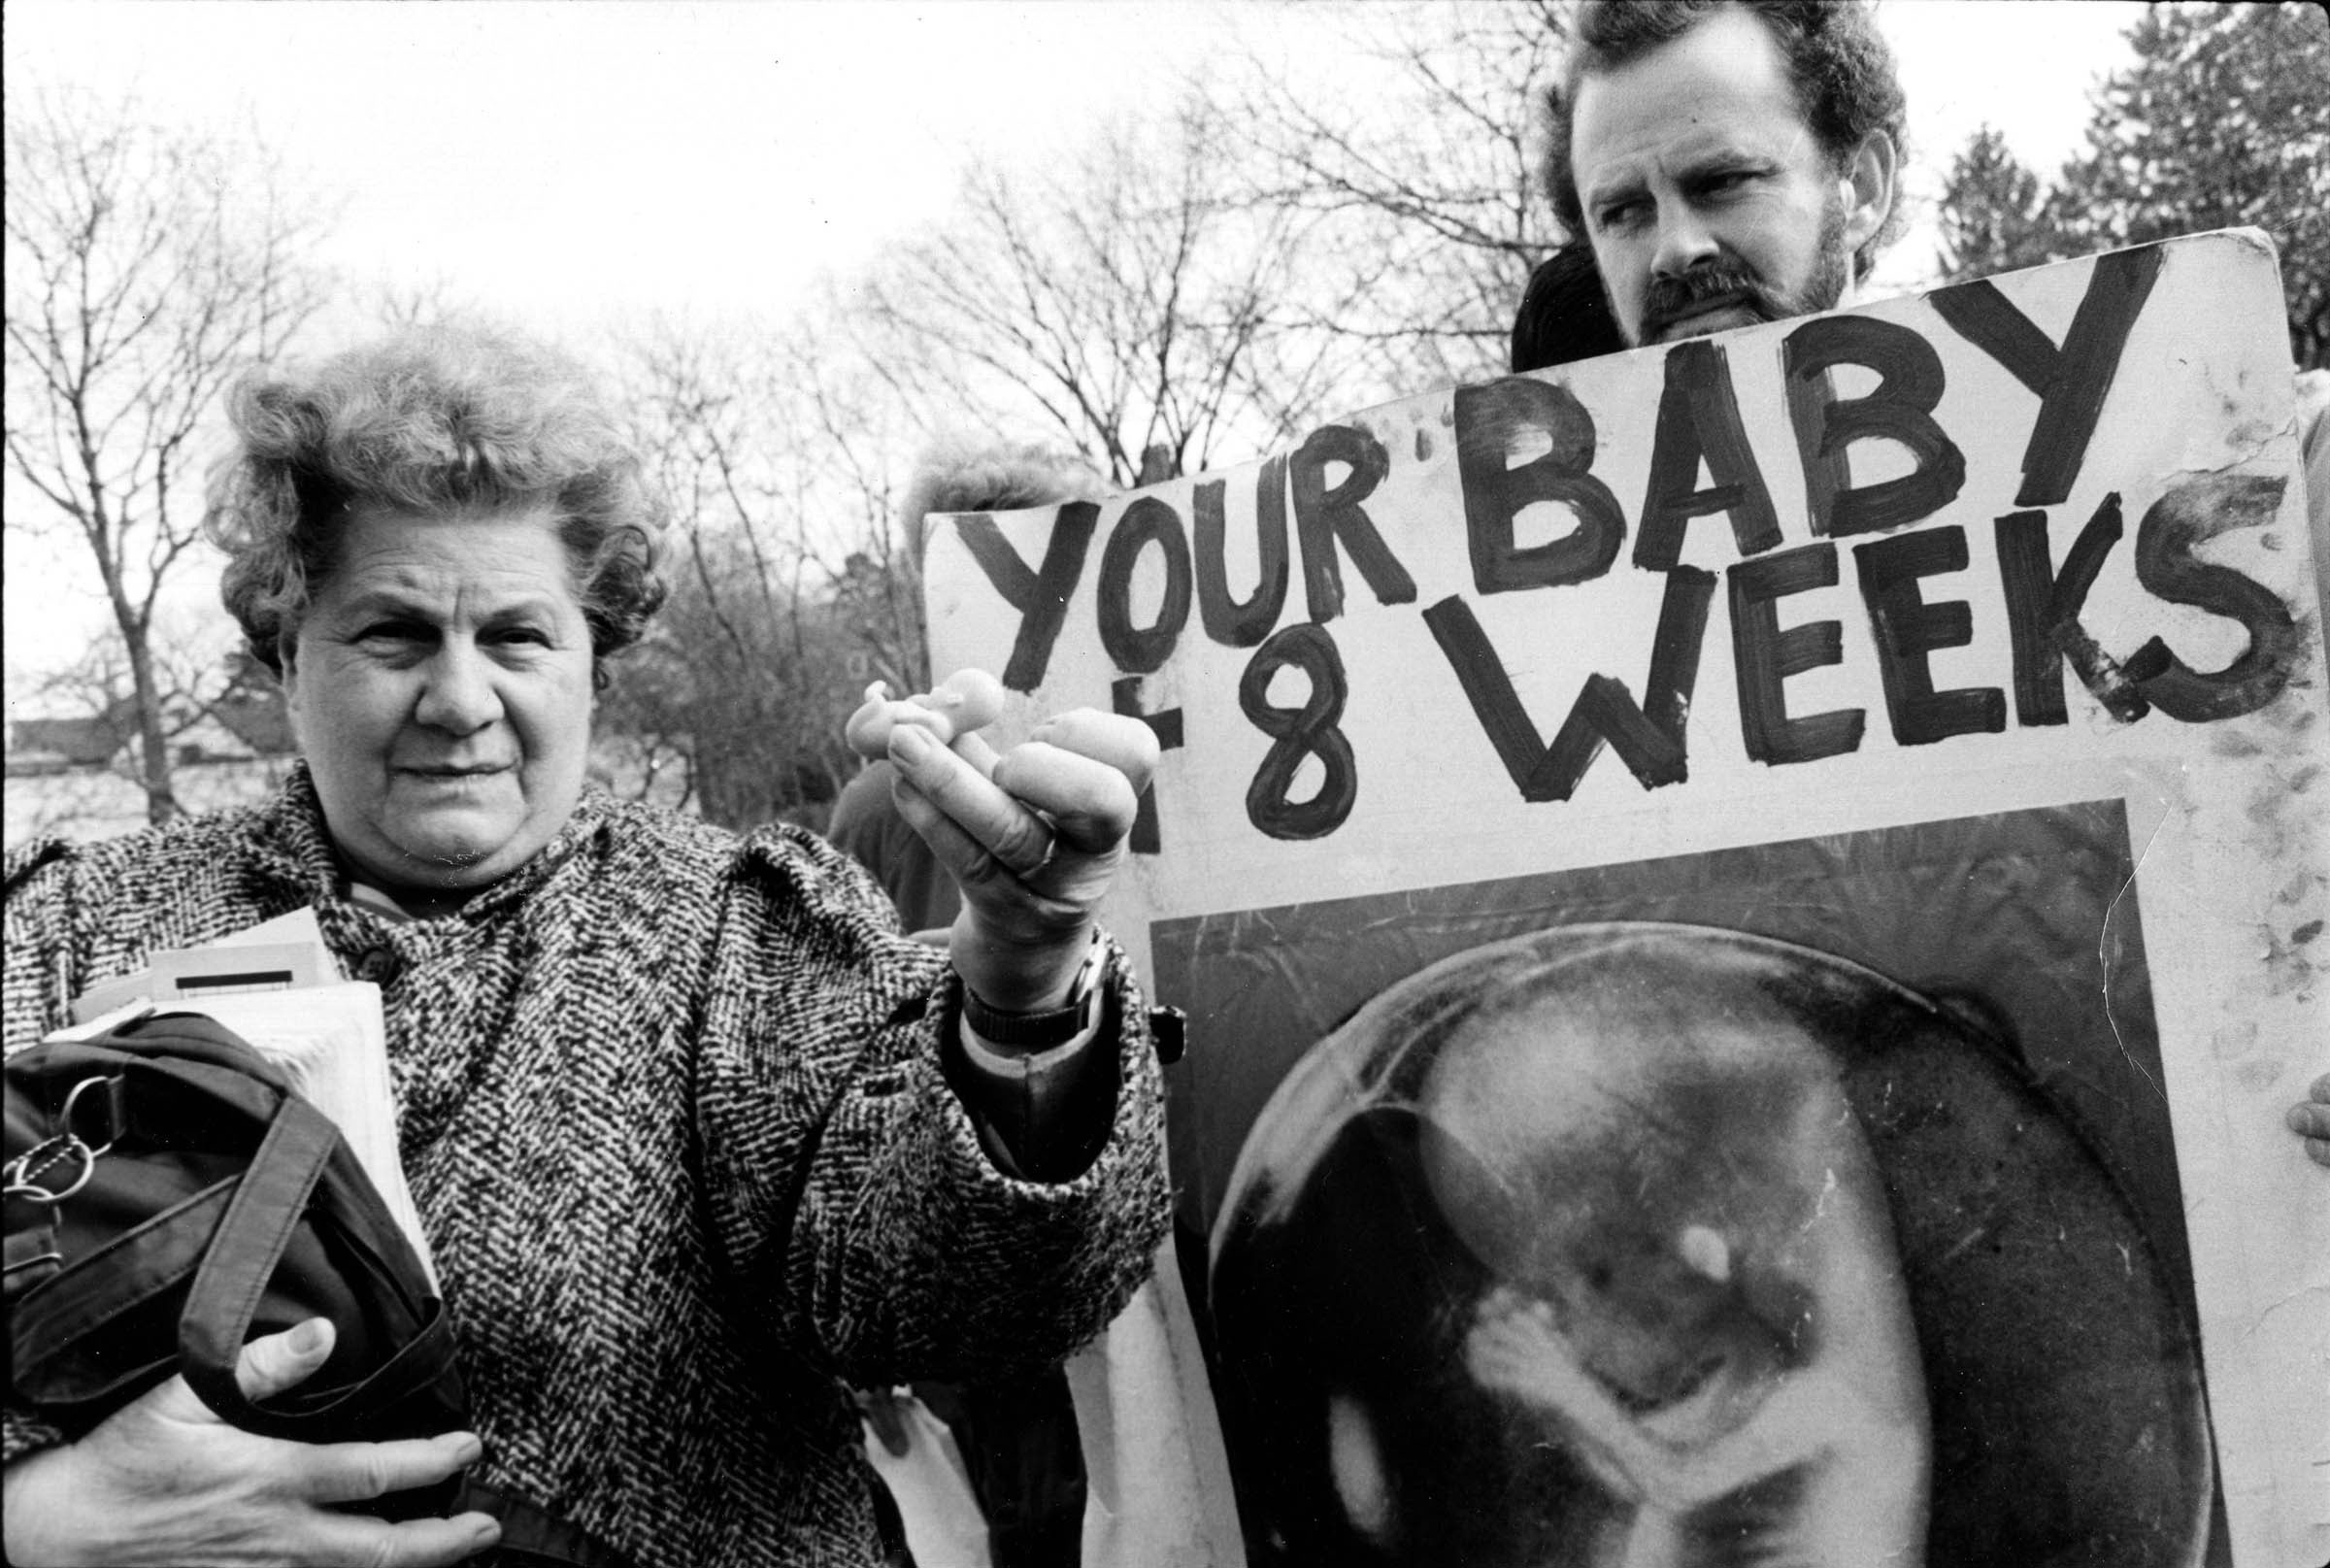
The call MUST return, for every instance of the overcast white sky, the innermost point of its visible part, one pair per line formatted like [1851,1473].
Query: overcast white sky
[564,164]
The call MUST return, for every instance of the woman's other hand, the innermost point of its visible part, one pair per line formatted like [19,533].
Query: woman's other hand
[164,1481]
[2310,1119]
[1032,836]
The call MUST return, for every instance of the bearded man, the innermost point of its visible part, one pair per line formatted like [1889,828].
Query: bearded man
[1728,164]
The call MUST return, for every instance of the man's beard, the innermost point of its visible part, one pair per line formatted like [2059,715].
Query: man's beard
[1731,280]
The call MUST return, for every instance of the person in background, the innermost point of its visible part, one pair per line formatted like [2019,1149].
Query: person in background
[696,1136]
[1729,162]
[1017,1435]
[1564,315]
[1726,163]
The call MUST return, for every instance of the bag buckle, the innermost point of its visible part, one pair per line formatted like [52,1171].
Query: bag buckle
[23,1173]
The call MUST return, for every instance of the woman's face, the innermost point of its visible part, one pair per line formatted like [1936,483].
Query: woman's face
[440,690]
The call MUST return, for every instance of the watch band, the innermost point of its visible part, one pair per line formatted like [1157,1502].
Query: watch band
[1036,1031]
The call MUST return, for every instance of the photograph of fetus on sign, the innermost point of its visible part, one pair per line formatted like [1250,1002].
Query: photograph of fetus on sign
[1809,1202]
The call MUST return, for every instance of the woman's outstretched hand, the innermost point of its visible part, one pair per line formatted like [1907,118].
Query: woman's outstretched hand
[164,1481]
[1032,835]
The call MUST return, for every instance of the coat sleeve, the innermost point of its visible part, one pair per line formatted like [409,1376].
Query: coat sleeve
[37,945]
[850,1189]
[37,941]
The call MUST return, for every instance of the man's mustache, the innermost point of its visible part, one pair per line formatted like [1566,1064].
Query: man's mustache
[1670,299]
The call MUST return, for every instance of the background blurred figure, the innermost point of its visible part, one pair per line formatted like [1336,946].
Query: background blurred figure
[1564,315]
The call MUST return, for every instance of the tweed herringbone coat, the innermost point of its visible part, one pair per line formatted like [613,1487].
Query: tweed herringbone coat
[670,1104]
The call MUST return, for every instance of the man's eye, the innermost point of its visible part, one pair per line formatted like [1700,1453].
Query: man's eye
[393,631]
[522,637]
[1617,214]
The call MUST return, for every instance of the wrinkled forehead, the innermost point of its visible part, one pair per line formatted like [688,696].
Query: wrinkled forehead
[1721,87]
[1693,155]
[476,555]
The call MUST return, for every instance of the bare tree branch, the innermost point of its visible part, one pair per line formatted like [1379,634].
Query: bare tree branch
[1120,302]
[145,269]
[1428,193]
[777,453]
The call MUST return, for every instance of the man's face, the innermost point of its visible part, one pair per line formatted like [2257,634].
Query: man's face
[1709,203]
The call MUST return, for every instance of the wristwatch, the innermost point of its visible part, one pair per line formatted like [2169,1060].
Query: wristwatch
[1053,1026]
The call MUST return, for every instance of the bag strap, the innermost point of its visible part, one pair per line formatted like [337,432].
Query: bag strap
[250,1242]
[243,1253]
[32,1259]
[529,1531]
[135,1267]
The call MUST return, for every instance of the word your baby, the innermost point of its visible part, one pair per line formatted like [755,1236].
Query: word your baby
[1698,425]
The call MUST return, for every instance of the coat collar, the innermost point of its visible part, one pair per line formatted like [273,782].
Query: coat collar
[295,846]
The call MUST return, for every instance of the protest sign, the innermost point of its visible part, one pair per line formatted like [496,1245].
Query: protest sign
[1747,912]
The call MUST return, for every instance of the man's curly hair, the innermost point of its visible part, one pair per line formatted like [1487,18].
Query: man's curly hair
[1838,62]
[434,421]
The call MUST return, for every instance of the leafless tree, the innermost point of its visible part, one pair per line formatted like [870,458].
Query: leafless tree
[1423,184]
[397,305]
[145,266]
[790,588]
[1119,299]
[643,744]
[1197,289]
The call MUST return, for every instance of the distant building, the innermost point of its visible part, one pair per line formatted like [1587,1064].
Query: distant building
[258,719]
[37,747]
[245,725]
[79,777]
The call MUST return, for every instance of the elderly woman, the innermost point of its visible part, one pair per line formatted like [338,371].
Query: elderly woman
[695,1135]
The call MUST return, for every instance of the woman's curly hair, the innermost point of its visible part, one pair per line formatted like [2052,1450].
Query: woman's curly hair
[433,421]
[1838,62]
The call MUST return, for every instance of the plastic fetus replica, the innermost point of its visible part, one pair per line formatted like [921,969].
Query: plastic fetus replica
[1642,1246]
[965,700]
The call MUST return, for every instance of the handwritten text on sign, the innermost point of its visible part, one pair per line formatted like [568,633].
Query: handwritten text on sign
[1526,447]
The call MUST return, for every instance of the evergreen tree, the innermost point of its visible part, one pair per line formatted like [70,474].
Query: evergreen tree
[1995,217]
[2223,122]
